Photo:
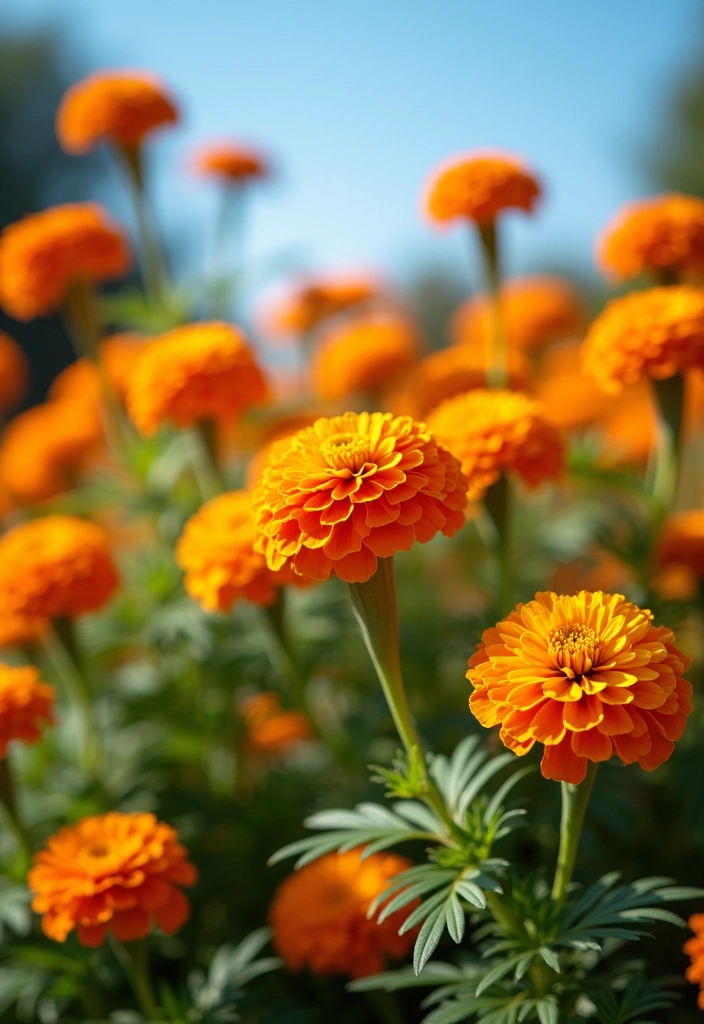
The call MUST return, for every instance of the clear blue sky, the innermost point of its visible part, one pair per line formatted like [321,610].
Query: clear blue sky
[358,101]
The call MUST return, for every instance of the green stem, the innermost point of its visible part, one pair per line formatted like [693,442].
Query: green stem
[574,806]
[230,222]
[152,258]
[134,960]
[496,362]
[499,505]
[204,460]
[61,647]
[9,806]
[669,397]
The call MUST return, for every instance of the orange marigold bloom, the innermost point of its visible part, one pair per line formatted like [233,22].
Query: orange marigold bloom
[319,915]
[694,948]
[116,873]
[119,355]
[43,254]
[654,333]
[231,162]
[113,106]
[361,356]
[55,567]
[479,187]
[312,303]
[270,729]
[497,431]
[14,371]
[571,400]
[665,233]
[587,676]
[354,488]
[217,554]
[203,371]
[682,540]
[26,705]
[535,311]
[19,630]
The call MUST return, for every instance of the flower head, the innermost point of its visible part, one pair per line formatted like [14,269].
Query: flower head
[661,234]
[479,187]
[26,705]
[354,488]
[319,915]
[271,730]
[363,355]
[205,371]
[55,567]
[14,371]
[116,873]
[655,333]
[497,431]
[43,254]
[694,948]
[318,300]
[682,540]
[588,676]
[113,106]
[232,163]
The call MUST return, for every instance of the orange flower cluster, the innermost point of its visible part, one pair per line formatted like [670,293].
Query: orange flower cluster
[535,312]
[14,372]
[362,356]
[234,164]
[682,541]
[587,676]
[270,729]
[319,915]
[43,254]
[55,567]
[114,873]
[655,333]
[661,235]
[216,551]
[26,705]
[204,371]
[694,948]
[315,302]
[354,488]
[113,106]
[481,186]
[496,431]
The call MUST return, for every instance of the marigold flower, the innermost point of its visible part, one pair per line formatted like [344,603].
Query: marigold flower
[479,187]
[270,729]
[319,915]
[354,488]
[312,303]
[361,356]
[113,106]
[119,355]
[55,567]
[231,162]
[14,371]
[572,401]
[629,427]
[43,254]
[694,948]
[496,431]
[20,630]
[682,540]
[587,676]
[26,705]
[654,333]
[535,312]
[203,371]
[116,873]
[665,233]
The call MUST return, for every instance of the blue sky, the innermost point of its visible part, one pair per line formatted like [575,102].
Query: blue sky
[358,102]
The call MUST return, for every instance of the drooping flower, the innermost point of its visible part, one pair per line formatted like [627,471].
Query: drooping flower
[43,254]
[272,730]
[362,356]
[354,488]
[479,187]
[493,432]
[55,567]
[14,371]
[682,541]
[204,371]
[119,355]
[660,235]
[694,948]
[319,916]
[121,107]
[26,705]
[217,554]
[231,162]
[535,311]
[117,873]
[654,333]
[314,302]
[571,400]
[587,676]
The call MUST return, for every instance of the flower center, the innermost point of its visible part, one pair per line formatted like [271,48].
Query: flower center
[97,850]
[575,647]
[346,451]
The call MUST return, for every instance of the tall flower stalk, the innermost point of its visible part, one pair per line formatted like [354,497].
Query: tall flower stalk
[574,807]
[496,357]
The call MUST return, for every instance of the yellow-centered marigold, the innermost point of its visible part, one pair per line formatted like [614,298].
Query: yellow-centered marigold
[319,916]
[14,371]
[662,235]
[354,488]
[26,705]
[231,162]
[362,356]
[479,187]
[587,676]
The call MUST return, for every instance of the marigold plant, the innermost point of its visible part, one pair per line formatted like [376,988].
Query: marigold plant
[479,187]
[364,355]
[26,705]
[663,235]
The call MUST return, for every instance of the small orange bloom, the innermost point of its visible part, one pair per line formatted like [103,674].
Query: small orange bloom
[694,948]
[119,355]
[363,355]
[354,488]
[661,234]
[479,187]
[43,254]
[571,400]
[588,676]
[270,729]
[113,106]
[535,312]
[26,705]
[232,163]
[55,567]
[117,873]
[319,915]
[313,303]
[14,371]
[496,431]
[682,540]
[655,333]
[204,371]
